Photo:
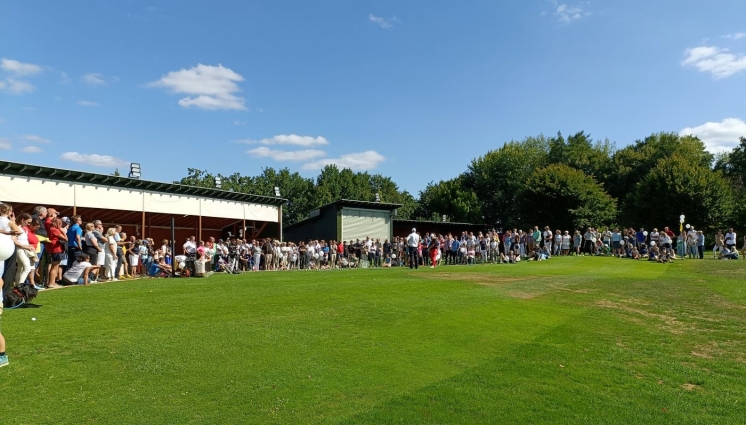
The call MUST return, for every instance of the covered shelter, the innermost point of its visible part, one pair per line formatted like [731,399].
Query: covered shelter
[143,208]
[404,227]
[345,220]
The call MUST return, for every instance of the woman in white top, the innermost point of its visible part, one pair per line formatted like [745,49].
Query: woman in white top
[92,248]
[558,242]
[110,254]
[23,249]
[566,243]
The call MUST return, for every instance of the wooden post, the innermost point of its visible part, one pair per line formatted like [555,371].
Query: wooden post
[244,229]
[279,221]
[199,230]
[142,236]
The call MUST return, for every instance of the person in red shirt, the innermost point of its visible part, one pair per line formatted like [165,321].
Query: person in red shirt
[671,234]
[56,248]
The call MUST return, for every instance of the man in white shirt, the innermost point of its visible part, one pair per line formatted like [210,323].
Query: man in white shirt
[730,239]
[548,238]
[190,246]
[413,241]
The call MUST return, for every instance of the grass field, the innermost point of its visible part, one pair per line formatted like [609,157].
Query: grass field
[570,340]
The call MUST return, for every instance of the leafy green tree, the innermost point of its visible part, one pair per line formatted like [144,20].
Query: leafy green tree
[632,163]
[579,152]
[499,177]
[452,199]
[677,185]
[563,196]
[733,164]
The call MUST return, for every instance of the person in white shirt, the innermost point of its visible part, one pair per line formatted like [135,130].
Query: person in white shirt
[413,241]
[548,238]
[77,274]
[190,246]
[730,239]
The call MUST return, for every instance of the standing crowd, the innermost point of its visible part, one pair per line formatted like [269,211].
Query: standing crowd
[49,251]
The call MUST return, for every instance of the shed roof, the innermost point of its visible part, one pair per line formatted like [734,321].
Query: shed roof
[37,171]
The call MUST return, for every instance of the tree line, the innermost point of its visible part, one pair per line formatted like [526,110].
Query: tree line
[568,183]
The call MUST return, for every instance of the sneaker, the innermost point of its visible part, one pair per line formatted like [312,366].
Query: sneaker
[4,360]
[39,288]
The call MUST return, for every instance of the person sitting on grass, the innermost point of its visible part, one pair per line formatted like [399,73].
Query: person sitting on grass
[387,261]
[653,253]
[545,252]
[634,253]
[77,274]
[729,254]
[666,256]
[161,269]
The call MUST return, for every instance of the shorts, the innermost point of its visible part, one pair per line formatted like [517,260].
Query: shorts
[616,245]
[133,260]
[100,259]
[57,257]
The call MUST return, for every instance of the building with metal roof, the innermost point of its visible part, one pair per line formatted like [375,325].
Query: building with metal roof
[144,208]
[345,220]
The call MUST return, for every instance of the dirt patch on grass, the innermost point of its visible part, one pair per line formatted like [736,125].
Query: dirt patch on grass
[523,295]
[669,322]
[478,278]
[690,387]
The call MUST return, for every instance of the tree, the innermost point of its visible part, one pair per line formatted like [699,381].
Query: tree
[733,164]
[581,153]
[499,177]
[562,196]
[675,186]
[632,163]
[452,199]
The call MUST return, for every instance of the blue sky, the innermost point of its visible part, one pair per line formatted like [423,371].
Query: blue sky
[414,90]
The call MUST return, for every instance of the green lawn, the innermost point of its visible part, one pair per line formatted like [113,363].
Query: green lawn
[567,341]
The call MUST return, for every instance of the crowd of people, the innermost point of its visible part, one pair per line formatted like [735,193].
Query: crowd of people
[52,251]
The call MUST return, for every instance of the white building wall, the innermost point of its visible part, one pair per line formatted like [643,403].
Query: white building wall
[50,192]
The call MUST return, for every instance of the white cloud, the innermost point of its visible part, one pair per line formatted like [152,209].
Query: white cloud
[359,161]
[237,122]
[94,159]
[88,103]
[32,149]
[288,139]
[736,36]
[5,144]
[569,13]
[94,79]
[718,136]
[19,68]
[213,87]
[718,62]
[11,85]
[278,155]
[385,23]
[32,138]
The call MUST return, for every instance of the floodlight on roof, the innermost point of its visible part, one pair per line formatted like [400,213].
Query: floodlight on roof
[134,170]
[378,197]
[277,191]
[218,182]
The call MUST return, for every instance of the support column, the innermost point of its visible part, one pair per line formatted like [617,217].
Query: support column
[142,236]
[199,229]
[245,236]
[279,221]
